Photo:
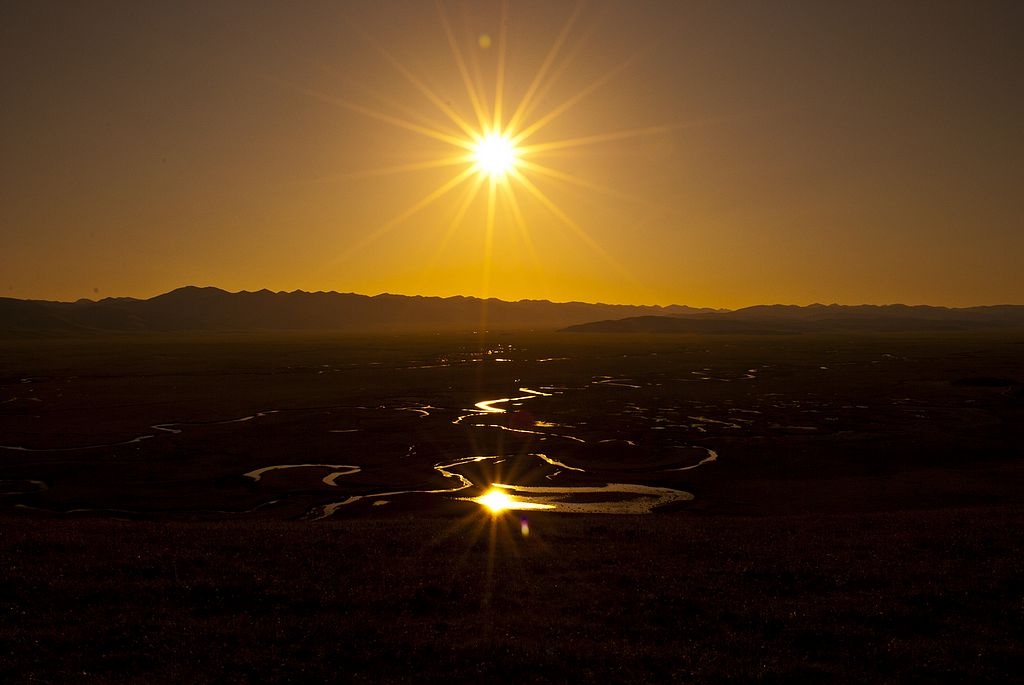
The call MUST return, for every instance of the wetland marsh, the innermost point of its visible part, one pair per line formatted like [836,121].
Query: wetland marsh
[292,426]
[706,508]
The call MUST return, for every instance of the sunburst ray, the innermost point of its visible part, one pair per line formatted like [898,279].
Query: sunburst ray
[402,168]
[460,63]
[499,79]
[424,89]
[566,220]
[577,181]
[465,202]
[411,113]
[427,200]
[607,137]
[525,103]
[489,237]
[381,116]
[524,232]
[571,102]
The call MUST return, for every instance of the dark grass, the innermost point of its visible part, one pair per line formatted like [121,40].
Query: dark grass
[904,596]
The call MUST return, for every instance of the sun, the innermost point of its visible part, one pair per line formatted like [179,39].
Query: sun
[496,144]
[496,500]
[495,155]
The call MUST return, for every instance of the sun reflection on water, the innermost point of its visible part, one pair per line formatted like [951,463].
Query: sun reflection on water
[497,501]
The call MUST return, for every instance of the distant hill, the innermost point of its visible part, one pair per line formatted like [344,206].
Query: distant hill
[771,319]
[212,309]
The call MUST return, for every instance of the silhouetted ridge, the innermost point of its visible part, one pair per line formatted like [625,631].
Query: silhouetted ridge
[193,308]
[780,319]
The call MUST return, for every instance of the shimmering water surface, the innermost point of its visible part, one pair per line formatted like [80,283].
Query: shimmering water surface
[616,432]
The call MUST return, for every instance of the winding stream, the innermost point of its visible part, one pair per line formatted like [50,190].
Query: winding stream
[643,498]
[343,470]
[626,498]
[561,496]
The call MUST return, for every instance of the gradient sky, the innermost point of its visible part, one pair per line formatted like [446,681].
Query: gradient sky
[855,152]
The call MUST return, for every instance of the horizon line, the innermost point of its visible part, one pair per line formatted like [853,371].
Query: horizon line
[511,301]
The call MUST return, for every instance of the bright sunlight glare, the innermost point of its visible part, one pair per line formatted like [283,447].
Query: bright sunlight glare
[495,500]
[494,145]
[495,155]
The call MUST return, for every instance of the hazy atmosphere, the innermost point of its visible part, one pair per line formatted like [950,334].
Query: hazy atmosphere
[716,154]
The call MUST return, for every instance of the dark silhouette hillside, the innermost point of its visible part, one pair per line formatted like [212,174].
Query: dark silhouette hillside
[782,319]
[212,309]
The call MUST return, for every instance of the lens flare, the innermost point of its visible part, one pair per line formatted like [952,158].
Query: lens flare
[495,155]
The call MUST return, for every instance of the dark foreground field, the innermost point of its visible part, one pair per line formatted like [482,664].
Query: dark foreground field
[860,523]
[912,596]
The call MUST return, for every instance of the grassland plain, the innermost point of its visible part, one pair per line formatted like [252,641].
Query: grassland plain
[861,521]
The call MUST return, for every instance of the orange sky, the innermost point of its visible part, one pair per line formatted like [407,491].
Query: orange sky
[783,152]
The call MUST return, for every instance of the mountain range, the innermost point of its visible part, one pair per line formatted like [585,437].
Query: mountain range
[212,309]
[778,318]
